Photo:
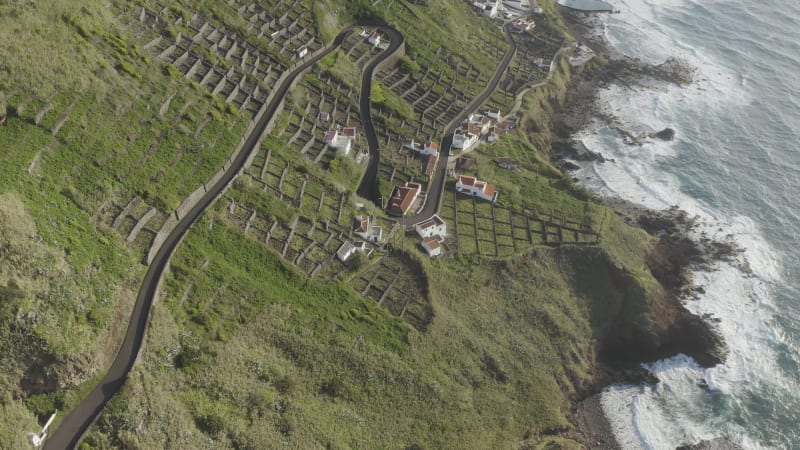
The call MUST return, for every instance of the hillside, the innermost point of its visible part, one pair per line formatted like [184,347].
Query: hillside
[119,115]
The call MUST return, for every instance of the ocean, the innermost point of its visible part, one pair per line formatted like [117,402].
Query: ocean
[734,163]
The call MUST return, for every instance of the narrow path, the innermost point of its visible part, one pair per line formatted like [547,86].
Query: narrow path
[368,188]
[525,89]
[72,428]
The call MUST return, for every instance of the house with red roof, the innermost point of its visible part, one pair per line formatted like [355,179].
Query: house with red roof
[428,164]
[364,228]
[431,247]
[403,197]
[476,188]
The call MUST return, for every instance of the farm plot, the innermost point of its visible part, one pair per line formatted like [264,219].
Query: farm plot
[397,283]
[489,230]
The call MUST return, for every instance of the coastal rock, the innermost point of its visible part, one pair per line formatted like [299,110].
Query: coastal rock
[667,134]
[575,150]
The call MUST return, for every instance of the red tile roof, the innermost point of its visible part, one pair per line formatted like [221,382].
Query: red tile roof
[428,164]
[432,145]
[469,181]
[431,243]
[403,197]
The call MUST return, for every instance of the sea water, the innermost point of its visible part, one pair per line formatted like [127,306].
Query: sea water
[735,164]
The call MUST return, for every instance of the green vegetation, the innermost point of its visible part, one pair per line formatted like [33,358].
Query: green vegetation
[260,337]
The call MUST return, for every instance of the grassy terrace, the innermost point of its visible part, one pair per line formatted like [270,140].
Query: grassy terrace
[261,337]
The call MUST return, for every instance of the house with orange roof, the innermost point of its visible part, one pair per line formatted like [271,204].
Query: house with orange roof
[403,197]
[476,188]
[364,228]
[428,164]
[431,247]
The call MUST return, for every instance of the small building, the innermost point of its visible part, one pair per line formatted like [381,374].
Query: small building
[403,197]
[494,135]
[493,114]
[431,247]
[434,226]
[464,140]
[349,132]
[339,141]
[507,163]
[348,249]
[464,163]
[365,229]
[489,8]
[324,116]
[579,55]
[301,52]
[375,38]
[428,148]
[542,63]
[428,164]
[476,188]
[521,26]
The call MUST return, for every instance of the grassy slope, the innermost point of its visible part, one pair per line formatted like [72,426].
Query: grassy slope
[243,349]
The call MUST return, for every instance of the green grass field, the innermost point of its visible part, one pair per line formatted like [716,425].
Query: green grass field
[245,349]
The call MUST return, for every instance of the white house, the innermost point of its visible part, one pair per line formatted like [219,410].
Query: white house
[340,141]
[493,114]
[521,26]
[463,140]
[429,148]
[302,52]
[432,247]
[542,63]
[488,8]
[476,188]
[363,228]
[375,38]
[434,226]
[579,55]
[348,249]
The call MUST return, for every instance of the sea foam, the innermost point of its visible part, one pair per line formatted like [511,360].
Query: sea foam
[690,403]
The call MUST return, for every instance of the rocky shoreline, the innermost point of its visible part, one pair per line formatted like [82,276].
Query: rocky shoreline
[677,254]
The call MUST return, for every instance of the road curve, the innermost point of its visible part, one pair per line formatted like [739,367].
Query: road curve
[74,425]
[434,199]
[368,188]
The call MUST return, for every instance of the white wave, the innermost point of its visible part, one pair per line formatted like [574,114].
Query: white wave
[690,403]
[637,32]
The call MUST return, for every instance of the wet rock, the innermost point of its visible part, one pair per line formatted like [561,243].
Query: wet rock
[568,166]
[667,134]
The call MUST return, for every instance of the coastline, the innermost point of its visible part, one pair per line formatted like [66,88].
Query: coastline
[674,257]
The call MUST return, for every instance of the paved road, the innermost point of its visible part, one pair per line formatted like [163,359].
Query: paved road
[368,188]
[434,200]
[74,425]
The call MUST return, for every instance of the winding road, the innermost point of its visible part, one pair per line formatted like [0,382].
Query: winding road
[74,425]
[368,188]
